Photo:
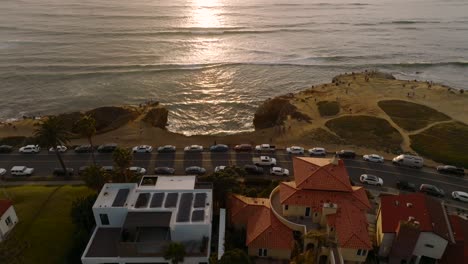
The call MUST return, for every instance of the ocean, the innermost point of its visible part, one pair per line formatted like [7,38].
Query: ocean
[212,62]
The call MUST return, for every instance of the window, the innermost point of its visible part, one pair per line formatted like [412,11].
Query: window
[331,229]
[262,252]
[429,245]
[286,207]
[8,221]
[104,219]
[359,252]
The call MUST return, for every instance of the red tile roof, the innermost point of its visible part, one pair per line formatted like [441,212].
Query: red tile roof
[351,227]
[4,205]
[242,207]
[427,211]
[459,250]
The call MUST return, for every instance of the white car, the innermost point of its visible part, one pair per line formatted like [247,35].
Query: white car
[278,171]
[142,149]
[138,170]
[460,196]
[219,168]
[194,148]
[317,152]
[59,148]
[2,171]
[371,179]
[265,147]
[295,150]
[21,171]
[264,161]
[373,158]
[30,149]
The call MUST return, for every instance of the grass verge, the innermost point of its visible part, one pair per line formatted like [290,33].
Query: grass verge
[328,108]
[446,143]
[411,116]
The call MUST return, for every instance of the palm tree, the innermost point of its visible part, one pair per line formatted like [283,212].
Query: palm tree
[175,252]
[52,133]
[95,177]
[86,126]
[122,160]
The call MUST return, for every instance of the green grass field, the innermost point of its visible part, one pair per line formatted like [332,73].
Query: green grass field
[44,220]
[446,143]
[411,116]
[366,131]
[328,108]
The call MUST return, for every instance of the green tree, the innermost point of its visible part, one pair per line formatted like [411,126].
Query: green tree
[122,160]
[86,126]
[175,252]
[52,133]
[224,182]
[95,177]
[234,256]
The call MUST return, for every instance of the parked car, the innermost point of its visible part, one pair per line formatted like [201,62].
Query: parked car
[295,150]
[407,186]
[265,148]
[108,168]
[371,179]
[408,160]
[107,148]
[60,149]
[166,149]
[451,170]
[61,172]
[317,152]
[346,154]
[460,196]
[195,170]
[278,171]
[30,149]
[193,148]
[431,190]
[82,169]
[264,161]
[21,171]
[219,168]
[137,170]
[373,158]
[142,149]
[253,169]
[219,148]
[6,149]
[2,171]
[164,170]
[243,148]
[84,149]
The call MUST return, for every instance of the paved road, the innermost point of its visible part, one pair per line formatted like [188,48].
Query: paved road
[44,162]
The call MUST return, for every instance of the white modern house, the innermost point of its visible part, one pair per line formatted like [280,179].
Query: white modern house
[135,222]
[8,218]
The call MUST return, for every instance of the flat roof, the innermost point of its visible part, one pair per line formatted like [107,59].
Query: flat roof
[114,195]
[176,182]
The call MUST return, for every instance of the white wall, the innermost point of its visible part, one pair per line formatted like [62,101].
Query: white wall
[4,229]
[116,216]
[430,238]
[190,232]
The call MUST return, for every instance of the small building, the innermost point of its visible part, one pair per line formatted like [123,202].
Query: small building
[136,222]
[412,228]
[8,218]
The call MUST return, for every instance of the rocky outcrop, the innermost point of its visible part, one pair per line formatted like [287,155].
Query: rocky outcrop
[274,111]
[157,117]
[112,117]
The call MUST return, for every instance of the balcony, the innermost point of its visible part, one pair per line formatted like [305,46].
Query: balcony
[295,223]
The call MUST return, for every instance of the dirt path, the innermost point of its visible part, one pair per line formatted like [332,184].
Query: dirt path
[429,126]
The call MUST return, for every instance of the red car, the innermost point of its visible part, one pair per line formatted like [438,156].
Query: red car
[243,148]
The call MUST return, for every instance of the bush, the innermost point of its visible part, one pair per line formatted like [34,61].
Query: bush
[328,108]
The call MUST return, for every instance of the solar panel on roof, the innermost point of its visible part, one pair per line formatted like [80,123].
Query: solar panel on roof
[171,200]
[157,200]
[198,215]
[142,200]
[185,206]
[200,200]
[121,198]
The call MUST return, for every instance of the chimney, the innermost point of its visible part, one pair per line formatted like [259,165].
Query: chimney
[334,161]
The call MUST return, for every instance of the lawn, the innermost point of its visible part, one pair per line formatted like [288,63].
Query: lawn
[328,108]
[411,116]
[44,220]
[366,131]
[446,143]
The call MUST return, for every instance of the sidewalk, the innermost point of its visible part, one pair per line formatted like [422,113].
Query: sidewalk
[42,183]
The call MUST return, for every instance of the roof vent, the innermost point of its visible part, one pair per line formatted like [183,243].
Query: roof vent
[411,218]
[105,193]
[416,223]
[397,202]
[409,205]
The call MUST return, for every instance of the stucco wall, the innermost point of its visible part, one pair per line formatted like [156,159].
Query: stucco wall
[116,216]
[272,253]
[4,229]
[350,254]
[432,239]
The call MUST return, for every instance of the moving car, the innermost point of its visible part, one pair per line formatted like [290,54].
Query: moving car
[21,171]
[164,170]
[295,150]
[346,154]
[317,152]
[373,158]
[142,149]
[107,148]
[264,161]
[451,170]
[219,148]
[243,147]
[408,160]
[431,190]
[253,169]
[371,179]
[30,149]
[84,149]
[278,171]
[60,149]
[193,148]
[219,168]
[6,149]
[407,186]
[2,171]
[137,170]
[195,170]
[265,148]
[166,149]
[61,172]
[460,196]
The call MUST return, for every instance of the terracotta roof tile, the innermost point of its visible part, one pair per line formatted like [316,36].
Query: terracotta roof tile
[242,207]
[4,205]
[351,227]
